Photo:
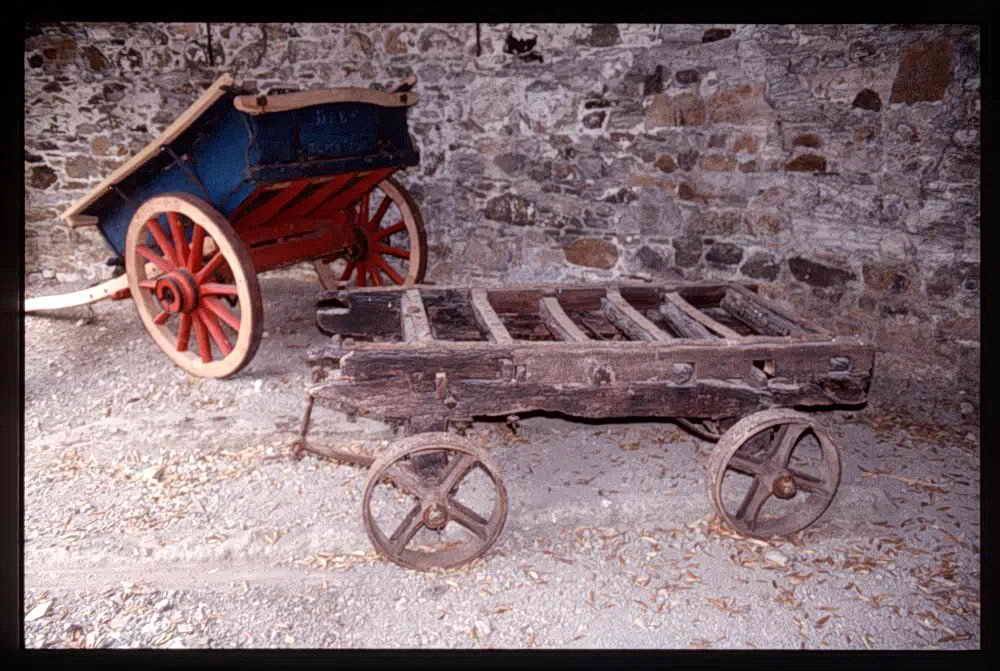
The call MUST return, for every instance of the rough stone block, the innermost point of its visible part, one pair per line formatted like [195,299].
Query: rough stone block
[743,104]
[818,274]
[511,209]
[924,72]
[687,250]
[683,109]
[724,254]
[592,252]
[762,266]
[807,163]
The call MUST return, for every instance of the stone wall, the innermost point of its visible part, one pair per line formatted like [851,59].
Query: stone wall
[836,165]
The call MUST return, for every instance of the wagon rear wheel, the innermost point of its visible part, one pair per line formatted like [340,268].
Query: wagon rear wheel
[194,285]
[773,473]
[389,243]
[434,500]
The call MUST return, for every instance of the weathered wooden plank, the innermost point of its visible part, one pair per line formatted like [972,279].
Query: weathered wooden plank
[682,323]
[558,321]
[488,319]
[397,401]
[748,306]
[416,325]
[364,316]
[700,316]
[621,313]
[451,315]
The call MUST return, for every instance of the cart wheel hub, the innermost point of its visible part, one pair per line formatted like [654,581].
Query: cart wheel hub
[784,486]
[177,291]
[435,516]
[358,249]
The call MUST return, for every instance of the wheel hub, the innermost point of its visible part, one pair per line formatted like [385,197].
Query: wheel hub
[783,486]
[177,291]
[358,249]
[435,516]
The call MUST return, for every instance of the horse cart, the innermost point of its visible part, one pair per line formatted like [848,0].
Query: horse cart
[241,184]
[719,358]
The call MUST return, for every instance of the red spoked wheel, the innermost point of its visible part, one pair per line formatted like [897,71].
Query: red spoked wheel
[389,245]
[194,285]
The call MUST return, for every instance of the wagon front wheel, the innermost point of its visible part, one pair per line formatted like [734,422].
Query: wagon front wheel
[194,285]
[389,244]
[773,473]
[434,500]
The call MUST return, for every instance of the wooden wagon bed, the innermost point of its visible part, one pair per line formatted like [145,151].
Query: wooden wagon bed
[707,354]
[701,350]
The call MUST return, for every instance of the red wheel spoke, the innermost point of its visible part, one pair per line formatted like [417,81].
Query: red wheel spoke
[197,249]
[376,278]
[388,270]
[380,212]
[347,271]
[363,210]
[218,289]
[391,251]
[213,264]
[153,258]
[222,312]
[201,335]
[161,318]
[214,330]
[161,240]
[184,333]
[177,231]
[362,274]
[386,232]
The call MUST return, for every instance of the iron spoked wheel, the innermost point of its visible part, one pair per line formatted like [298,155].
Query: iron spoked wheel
[194,285]
[390,245]
[434,500]
[773,473]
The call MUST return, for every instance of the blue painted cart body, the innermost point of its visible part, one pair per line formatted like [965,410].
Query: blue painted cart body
[240,184]
[225,154]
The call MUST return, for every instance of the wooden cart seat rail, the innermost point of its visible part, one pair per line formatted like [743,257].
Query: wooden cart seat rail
[74,217]
[261,104]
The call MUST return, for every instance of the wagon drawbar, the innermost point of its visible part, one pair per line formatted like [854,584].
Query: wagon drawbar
[241,184]
[720,359]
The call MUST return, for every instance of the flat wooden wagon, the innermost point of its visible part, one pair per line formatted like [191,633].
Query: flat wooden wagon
[717,357]
[241,184]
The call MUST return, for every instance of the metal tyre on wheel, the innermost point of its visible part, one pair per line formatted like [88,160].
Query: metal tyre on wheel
[773,473]
[434,500]
[390,245]
[194,285]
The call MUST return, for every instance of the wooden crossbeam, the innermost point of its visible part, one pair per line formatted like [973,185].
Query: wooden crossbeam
[416,325]
[621,313]
[677,300]
[558,321]
[682,323]
[759,313]
[488,319]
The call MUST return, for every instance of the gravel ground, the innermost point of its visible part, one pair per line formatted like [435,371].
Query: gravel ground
[161,512]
